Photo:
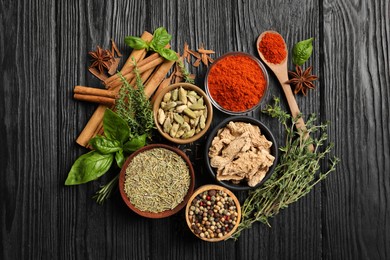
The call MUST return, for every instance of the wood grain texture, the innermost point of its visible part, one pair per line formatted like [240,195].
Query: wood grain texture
[356,198]
[43,55]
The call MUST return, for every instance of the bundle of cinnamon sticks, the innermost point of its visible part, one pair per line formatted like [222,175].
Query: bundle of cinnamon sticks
[153,70]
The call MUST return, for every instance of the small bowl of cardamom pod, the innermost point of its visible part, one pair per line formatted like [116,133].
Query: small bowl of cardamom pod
[182,113]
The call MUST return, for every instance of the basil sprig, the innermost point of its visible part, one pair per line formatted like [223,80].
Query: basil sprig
[302,51]
[160,39]
[114,145]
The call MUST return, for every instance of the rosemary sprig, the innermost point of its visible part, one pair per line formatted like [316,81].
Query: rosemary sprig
[186,74]
[106,190]
[132,106]
[294,176]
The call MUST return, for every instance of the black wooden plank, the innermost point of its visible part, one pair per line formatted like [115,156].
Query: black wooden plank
[356,88]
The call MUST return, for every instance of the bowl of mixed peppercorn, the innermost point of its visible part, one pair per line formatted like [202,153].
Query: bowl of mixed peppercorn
[213,213]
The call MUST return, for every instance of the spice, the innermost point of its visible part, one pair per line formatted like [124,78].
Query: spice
[301,80]
[240,151]
[202,55]
[236,82]
[101,59]
[273,48]
[156,180]
[295,175]
[182,113]
[212,214]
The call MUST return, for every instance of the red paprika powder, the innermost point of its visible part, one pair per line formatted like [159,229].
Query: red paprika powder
[236,82]
[273,48]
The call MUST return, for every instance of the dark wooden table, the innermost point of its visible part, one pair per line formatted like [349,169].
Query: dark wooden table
[43,55]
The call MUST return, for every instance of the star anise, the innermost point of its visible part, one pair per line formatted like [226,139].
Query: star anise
[302,81]
[101,59]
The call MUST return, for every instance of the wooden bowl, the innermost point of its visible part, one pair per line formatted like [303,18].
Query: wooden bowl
[230,194]
[165,213]
[242,186]
[187,86]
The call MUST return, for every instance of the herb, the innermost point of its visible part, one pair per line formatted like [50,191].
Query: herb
[156,180]
[302,51]
[88,167]
[301,80]
[160,39]
[94,164]
[115,127]
[133,106]
[294,176]
[135,109]
[106,190]
[101,59]
[184,72]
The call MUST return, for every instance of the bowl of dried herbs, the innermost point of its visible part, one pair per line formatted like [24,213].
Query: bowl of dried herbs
[182,113]
[156,181]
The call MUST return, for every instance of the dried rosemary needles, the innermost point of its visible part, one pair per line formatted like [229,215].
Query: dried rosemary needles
[156,180]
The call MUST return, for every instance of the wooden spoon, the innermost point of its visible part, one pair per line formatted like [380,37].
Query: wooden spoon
[281,72]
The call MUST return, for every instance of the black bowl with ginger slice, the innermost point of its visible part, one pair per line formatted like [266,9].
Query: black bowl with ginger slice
[241,153]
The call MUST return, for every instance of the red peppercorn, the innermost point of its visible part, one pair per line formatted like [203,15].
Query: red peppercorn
[208,198]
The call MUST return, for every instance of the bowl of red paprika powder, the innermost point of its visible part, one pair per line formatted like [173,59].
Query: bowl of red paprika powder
[237,83]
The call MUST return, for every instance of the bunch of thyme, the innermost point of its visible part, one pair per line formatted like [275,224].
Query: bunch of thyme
[132,106]
[294,176]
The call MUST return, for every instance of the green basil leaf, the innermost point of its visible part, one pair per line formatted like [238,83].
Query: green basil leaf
[136,42]
[115,127]
[104,145]
[168,54]
[134,144]
[160,39]
[302,51]
[89,167]
[119,158]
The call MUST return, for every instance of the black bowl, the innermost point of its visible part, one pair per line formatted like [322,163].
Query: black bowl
[264,130]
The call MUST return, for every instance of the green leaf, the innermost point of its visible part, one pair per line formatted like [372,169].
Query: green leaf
[302,51]
[89,167]
[119,158]
[104,145]
[160,39]
[115,127]
[134,144]
[136,43]
[168,54]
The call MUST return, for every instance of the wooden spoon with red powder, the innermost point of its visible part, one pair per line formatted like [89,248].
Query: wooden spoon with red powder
[272,50]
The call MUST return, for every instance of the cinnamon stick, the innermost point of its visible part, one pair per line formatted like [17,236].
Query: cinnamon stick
[95,99]
[141,68]
[157,77]
[137,54]
[165,83]
[93,123]
[94,92]
[97,74]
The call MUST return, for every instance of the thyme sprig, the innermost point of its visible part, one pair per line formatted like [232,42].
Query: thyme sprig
[132,106]
[294,176]
[184,71]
